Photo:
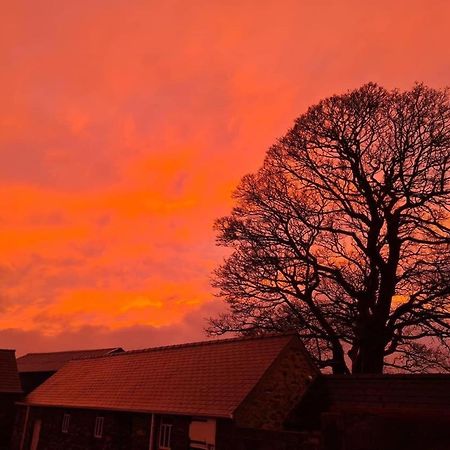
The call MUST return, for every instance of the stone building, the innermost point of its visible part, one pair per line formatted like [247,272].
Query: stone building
[35,368]
[217,395]
[10,392]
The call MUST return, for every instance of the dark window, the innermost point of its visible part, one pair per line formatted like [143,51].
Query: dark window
[164,436]
[65,423]
[98,429]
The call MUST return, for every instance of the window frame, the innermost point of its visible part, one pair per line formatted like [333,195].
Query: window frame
[201,446]
[198,446]
[98,427]
[65,423]
[165,436]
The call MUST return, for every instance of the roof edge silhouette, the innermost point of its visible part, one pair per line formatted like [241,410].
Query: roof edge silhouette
[192,344]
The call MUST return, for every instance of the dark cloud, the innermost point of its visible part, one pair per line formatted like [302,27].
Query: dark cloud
[190,329]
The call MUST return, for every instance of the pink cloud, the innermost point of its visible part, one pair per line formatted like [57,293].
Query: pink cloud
[125,127]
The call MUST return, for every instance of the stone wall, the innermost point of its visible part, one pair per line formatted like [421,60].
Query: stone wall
[279,390]
[121,431]
[116,430]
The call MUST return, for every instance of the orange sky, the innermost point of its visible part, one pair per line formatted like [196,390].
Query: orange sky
[125,125]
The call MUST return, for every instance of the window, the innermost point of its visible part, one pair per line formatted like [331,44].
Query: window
[164,436]
[98,429]
[65,423]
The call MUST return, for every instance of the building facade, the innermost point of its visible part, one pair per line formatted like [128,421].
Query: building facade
[212,395]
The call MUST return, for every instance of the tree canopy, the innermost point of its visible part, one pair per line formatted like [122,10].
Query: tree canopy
[344,234]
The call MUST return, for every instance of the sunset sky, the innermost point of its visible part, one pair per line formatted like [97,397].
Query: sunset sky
[126,124]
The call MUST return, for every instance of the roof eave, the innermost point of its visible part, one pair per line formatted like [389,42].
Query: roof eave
[130,410]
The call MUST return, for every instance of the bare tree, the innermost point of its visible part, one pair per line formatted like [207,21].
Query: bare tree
[343,234]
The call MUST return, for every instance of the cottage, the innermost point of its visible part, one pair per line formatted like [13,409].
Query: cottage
[208,395]
[35,368]
[10,392]
[373,412]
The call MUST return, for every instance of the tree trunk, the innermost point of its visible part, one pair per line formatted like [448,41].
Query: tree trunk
[370,358]
[339,365]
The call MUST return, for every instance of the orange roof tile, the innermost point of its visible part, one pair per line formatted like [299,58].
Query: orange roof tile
[9,378]
[210,378]
[53,361]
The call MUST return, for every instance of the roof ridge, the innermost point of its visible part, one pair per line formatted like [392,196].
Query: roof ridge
[70,351]
[207,379]
[193,344]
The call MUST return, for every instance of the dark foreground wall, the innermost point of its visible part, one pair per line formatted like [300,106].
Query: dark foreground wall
[229,437]
[371,431]
[7,415]
[31,380]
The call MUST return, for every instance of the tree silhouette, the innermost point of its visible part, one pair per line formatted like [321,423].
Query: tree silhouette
[343,234]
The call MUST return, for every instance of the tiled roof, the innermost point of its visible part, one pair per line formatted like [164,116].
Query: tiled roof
[51,362]
[9,378]
[210,378]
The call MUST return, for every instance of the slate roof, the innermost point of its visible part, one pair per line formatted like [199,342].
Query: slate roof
[51,362]
[209,378]
[9,378]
